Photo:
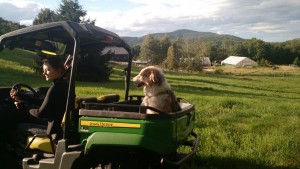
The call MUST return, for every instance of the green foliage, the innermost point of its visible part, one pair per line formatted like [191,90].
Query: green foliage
[173,56]
[135,50]
[217,48]
[93,67]
[165,43]
[8,26]
[71,10]
[218,71]
[171,61]
[296,61]
[199,48]
[275,53]
[46,15]
[38,65]
[150,50]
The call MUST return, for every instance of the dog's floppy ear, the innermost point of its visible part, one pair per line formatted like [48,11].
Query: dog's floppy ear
[155,77]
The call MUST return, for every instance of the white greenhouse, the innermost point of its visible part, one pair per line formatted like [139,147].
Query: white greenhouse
[239,61]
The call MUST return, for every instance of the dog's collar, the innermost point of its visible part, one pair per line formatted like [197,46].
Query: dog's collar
[161,93]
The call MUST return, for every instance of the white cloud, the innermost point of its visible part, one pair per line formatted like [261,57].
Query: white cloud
[158,15]
[20,11]
[26,22]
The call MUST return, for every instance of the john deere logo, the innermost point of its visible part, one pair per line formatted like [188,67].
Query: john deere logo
[109,124]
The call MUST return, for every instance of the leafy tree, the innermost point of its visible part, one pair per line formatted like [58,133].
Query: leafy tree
[279,54]
[150,50]
[92,67]
[264,62]
[296,61]
[175,52]
[46,15]
[262,50]
[200,49]
[70,10]
[213,52]
[293,47]
[135,50]
[221,55]
[237,50]
[170,62]
[165,43]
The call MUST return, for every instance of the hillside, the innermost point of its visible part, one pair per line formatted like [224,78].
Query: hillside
[185,34]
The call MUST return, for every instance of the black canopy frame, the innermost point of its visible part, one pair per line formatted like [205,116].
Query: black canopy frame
[77,37]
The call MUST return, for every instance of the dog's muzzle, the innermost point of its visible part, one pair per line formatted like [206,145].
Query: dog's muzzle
[137,82]
[141,84]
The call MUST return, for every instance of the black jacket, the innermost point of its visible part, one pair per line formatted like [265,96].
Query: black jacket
[54,106]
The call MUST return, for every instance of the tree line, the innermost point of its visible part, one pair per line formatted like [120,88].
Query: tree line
[189,54]
[7,26]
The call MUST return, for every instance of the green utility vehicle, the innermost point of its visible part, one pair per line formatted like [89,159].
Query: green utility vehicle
[99,131]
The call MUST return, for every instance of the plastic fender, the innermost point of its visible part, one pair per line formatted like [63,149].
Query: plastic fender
[125,139]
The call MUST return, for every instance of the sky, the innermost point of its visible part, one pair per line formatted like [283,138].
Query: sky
[268,20]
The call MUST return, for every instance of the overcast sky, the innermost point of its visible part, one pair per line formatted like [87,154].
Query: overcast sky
[268,20]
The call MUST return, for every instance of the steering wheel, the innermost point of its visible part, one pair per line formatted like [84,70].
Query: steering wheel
[18,86]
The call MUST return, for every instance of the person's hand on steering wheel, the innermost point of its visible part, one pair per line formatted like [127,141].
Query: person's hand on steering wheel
[18,95]
[15,97]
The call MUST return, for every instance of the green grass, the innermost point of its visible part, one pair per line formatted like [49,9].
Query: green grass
[247,121]
[15,67]
[246,118]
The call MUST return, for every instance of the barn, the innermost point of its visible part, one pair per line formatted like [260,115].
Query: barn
[239,61]
[120,54]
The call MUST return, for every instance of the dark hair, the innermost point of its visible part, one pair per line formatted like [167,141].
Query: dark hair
[55,62]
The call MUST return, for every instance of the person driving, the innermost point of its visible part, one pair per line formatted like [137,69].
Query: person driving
[53,106]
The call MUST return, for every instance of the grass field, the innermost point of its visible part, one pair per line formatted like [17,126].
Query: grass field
[246,117]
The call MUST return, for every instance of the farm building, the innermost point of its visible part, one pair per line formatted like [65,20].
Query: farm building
[120,54]
[238,61]
[205,61]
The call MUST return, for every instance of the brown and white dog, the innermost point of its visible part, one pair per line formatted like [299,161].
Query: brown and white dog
[157,90]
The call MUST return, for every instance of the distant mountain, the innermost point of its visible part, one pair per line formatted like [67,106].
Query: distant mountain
[185,34]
